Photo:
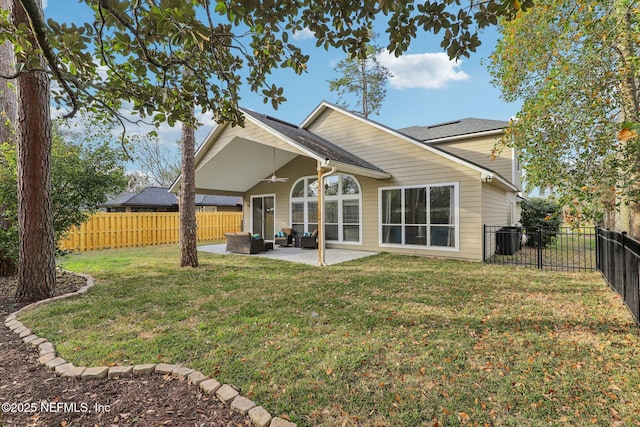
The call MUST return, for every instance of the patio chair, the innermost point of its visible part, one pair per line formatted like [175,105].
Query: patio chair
[309,242]
[285,237]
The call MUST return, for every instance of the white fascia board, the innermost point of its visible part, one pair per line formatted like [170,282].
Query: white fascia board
[504,182]
[464,136]
[357,170]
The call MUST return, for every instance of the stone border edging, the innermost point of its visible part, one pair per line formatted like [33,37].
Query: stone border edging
[223,392]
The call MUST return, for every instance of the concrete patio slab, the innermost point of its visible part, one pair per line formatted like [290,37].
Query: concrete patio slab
[303,256]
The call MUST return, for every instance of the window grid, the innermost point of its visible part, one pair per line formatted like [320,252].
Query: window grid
[341,224]
[413,233]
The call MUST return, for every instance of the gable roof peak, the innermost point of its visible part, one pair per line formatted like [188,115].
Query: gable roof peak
[316,146]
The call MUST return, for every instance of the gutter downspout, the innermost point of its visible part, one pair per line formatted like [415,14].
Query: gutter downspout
[321,177]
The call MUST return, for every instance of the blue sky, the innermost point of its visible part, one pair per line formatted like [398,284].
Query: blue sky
[426,88]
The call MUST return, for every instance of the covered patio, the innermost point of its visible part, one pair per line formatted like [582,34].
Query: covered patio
[262,161]
[292,254]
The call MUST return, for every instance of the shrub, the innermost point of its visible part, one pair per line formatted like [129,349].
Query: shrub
[82,176]
[543,213]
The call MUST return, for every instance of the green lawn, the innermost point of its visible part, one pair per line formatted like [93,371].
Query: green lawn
[385,340]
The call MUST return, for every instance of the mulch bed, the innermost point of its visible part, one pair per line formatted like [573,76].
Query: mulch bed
[47,400]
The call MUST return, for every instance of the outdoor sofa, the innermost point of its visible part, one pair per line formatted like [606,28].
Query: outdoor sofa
[244,243]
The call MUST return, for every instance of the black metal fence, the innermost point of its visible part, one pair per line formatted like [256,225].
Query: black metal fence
[619,263]
[566,249]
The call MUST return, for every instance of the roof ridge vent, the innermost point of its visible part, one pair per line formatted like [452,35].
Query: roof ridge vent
[275,119]
[454,122]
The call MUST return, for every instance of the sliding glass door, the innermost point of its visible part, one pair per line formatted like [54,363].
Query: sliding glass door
[263,213]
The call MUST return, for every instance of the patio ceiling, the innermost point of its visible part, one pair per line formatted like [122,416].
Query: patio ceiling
[239,166]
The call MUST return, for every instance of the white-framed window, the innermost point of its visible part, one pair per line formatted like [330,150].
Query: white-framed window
[343,207]
[421,215]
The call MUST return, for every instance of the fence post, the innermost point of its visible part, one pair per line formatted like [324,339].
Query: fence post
[539,232]
[484,242]
[598,249]
[624,266]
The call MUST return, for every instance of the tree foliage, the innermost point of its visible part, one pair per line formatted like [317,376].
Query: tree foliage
[363,81]
[140,48]
[84,173]
[573,63]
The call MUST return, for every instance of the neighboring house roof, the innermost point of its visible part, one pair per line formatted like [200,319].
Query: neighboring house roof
[161,197]
[207,200]
[150,196]
[454,128]
[119,199]
[312,142]
[153,196]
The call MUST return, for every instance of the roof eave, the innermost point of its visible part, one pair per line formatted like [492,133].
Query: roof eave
[283,137]
[358,170]
[496,179]
[464,136]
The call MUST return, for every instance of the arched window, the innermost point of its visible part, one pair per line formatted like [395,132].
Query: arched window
[343,207]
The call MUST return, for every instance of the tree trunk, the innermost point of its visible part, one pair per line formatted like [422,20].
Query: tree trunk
[365,89]
[7,122]
[630,97]
[7,91]
[36,265]
[188,224]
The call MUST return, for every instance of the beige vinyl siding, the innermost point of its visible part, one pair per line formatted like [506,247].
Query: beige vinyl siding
[517,169]
[496,206]
[478,150]
[251,132]
[409,164]
[496,211]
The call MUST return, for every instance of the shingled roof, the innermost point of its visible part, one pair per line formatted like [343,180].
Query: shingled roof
[312,142]
[454,128]
[161,197]
[208,200]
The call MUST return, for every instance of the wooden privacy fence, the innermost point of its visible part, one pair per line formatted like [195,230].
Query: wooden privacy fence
[122,230]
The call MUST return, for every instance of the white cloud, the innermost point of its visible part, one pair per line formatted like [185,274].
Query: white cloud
[422,70]
[304,34]
[45,3]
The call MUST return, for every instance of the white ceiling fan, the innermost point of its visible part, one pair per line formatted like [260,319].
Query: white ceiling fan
[273,177]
